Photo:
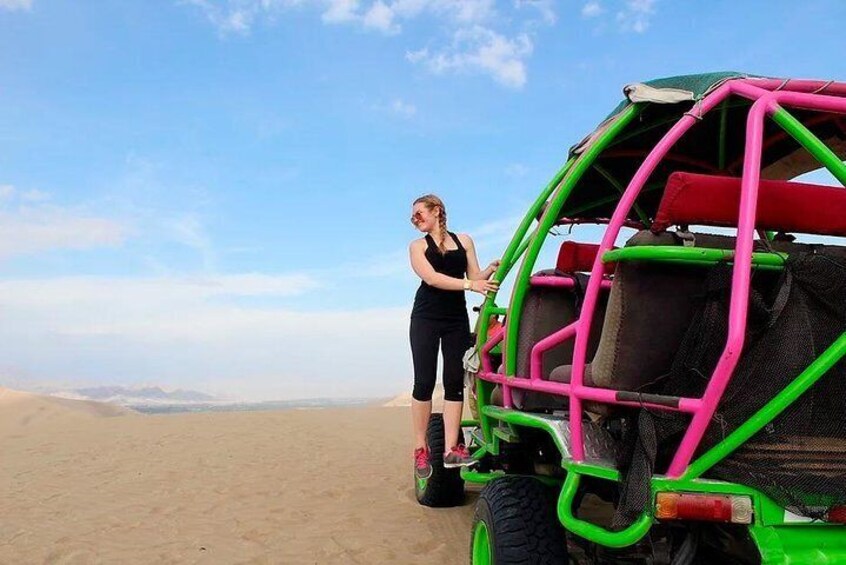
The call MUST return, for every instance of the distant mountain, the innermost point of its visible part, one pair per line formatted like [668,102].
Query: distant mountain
[130,396]
[156,400]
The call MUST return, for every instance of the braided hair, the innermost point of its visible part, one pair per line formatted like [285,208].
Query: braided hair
[432,202]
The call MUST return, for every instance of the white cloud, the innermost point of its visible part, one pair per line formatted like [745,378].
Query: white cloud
[476,27]
[189,333]
[341,11]
[546,8]
[43,230]
[636,15]
[381,17]
[516,170]
[189,231]
[481,49]
[495,232]
[404,109]
[28,225]
[13,5]
[592,9]
[135,293]
[385,16]
[34,195]
[239,16]
[466,11]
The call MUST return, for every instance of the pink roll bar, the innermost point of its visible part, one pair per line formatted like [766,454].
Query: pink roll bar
[767,95]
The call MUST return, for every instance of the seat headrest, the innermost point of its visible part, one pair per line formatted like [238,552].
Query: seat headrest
[578,258]
[707,200]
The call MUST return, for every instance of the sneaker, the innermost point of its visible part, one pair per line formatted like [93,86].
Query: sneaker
[422,467]
[458,456]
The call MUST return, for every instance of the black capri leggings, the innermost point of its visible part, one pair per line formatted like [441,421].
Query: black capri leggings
[454,338]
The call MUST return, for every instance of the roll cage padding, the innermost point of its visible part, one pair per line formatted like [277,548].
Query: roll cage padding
[708,200]
[576,257]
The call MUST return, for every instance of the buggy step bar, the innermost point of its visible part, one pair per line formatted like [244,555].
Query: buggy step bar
[592,532]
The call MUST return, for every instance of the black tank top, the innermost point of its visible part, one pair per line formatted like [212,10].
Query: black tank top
[437,303]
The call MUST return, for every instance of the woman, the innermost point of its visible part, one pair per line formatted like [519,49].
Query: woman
[448,266]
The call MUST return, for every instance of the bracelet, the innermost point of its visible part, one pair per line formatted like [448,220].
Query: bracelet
[467,284]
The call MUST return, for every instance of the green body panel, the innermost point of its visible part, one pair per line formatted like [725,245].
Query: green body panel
[479,478]
[524,419]
[769,517]
[506,434]
[598,470]
[800,544]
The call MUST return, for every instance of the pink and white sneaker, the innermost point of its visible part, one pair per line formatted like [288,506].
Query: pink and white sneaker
[458,456]
[422,467]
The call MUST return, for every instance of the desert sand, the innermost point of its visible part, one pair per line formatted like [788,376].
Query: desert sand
[84,482]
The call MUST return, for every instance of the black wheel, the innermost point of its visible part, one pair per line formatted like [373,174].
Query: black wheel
[516,524]
[445,487]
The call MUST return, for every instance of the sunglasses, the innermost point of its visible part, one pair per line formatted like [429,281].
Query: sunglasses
[417,217]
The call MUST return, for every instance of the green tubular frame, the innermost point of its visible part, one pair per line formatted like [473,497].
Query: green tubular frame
[778,540]
[550,215]
[621,189]
[690,255]
[606,200]
[597,534]
[516,247]
[811,143]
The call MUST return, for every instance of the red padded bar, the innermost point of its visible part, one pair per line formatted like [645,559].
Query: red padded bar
[692,199]
[578,258]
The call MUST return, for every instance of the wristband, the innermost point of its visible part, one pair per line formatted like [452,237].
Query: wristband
[467,285]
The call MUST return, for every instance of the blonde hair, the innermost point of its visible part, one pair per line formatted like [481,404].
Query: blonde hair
[432,202]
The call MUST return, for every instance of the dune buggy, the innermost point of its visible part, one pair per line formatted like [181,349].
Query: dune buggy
[674,393]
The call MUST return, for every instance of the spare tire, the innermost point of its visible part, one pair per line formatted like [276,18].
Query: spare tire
[445,487]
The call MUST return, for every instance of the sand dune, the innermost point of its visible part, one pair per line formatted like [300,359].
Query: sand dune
[314,486]
[22,412]
[404,399]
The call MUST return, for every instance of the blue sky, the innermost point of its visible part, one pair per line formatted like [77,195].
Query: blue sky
[215,194]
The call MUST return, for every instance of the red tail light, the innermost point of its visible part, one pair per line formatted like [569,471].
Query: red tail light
[837,514]
[707,507]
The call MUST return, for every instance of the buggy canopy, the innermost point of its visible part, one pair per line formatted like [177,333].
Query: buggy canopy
[714,146]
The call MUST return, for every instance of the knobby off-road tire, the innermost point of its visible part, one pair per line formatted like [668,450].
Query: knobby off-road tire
[445,487]
[516,519]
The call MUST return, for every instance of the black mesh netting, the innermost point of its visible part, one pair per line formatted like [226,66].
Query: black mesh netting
[798,459]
